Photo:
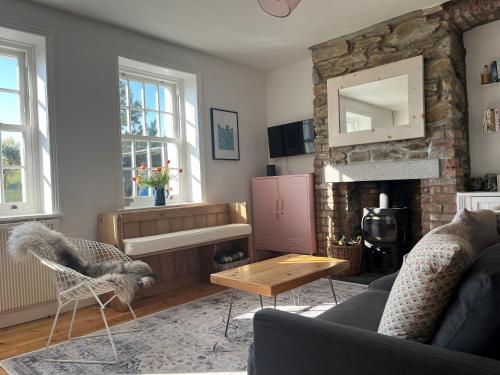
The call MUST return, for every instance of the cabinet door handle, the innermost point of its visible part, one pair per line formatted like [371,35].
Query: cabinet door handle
[282,205]
[277,205]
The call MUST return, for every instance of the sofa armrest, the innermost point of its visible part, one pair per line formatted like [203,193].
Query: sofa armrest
[385,282]
[290,344]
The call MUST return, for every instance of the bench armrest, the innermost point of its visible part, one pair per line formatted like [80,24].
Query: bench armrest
[290,344]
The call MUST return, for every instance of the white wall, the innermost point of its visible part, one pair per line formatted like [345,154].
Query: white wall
[84,58]
[482,45]
[290,98]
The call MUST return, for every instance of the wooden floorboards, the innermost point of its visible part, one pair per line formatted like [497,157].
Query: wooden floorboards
[31,336]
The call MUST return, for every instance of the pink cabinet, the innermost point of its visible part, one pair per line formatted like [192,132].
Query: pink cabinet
[283,213]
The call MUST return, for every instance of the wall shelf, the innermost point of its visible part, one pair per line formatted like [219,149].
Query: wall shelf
[491,84]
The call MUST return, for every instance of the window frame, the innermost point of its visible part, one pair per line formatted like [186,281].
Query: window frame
[145,77]
[28,128]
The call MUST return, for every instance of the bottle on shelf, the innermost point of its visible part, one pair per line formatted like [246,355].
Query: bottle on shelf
[494,71]
[485,76]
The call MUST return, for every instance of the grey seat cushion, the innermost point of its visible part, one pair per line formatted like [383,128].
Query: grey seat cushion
[362,311]
[471,323]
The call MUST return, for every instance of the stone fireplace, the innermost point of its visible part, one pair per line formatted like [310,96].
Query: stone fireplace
[437,35]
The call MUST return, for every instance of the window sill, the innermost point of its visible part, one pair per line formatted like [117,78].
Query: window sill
[28,217]
[173,205]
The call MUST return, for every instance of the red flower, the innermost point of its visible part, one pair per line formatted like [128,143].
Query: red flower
[168,161]
[180,170]
[158,169]
[143,166]
[134,179]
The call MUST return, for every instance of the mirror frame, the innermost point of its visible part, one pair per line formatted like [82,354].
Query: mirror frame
[413,67]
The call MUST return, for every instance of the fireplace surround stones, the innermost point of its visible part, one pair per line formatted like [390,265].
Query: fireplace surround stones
[436,34]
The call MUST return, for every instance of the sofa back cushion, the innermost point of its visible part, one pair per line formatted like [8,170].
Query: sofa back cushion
[480,227]
[471,323]
[425,284]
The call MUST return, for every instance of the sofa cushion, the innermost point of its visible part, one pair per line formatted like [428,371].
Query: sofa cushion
[472,322]
[425,284]
[384,283]
[184,238]
[479,227]
[361,311]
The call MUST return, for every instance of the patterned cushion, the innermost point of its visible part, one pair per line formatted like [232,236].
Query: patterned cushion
[425,284]
[480,227]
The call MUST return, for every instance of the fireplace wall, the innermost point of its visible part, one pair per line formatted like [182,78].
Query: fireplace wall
[437,35]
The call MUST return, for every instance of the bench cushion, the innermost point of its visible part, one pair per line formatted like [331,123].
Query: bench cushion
[193,237]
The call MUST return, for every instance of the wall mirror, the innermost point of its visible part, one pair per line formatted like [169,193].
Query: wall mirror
[385,103]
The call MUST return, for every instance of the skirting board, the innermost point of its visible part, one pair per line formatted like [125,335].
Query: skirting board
[43,310]
[382,171]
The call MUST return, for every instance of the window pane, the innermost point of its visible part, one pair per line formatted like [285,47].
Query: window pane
[13,185]
[156,157]
[124,121]
[166,125]
[9,72]
[173,155]
[127,183]
[123,92]
[12,148]
[166,103]
[151,93]
[10,108]
[141,153]
[152,123]
[137,122]
[143,191]
[135,94]
[127,154]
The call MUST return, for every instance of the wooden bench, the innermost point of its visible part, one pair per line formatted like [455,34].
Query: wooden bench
[178,242]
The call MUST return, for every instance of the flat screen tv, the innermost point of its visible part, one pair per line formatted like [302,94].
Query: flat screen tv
[295,138]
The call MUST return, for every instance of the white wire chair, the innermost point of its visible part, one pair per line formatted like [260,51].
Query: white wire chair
[73,286]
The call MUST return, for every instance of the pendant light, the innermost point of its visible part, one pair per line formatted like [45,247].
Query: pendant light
[278,8]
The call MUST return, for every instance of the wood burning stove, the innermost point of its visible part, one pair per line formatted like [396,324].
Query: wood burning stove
[385,228]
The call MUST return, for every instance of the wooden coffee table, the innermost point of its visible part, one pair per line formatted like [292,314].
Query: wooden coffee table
[278,275]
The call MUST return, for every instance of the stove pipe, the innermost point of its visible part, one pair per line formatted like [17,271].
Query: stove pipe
[384,196]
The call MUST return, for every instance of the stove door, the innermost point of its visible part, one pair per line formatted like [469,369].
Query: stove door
[380,228]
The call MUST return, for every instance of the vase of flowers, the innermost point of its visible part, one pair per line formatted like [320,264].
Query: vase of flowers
[159,180]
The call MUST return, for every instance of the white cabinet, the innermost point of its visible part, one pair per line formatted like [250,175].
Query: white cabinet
[478,200]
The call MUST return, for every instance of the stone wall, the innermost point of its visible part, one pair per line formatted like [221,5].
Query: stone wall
[436,34]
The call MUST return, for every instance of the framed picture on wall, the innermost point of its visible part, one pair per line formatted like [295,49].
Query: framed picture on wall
[225,134]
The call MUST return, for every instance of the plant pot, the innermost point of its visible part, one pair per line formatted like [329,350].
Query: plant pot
[160,196]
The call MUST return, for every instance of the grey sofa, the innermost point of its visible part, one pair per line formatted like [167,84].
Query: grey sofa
[344,339]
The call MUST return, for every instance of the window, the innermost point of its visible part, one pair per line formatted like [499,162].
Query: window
[150,133]
[356,122]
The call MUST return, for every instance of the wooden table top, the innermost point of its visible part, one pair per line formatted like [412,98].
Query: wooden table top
[279,275]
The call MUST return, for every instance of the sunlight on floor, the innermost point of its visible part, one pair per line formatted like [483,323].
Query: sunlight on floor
[304,310]
[200,373]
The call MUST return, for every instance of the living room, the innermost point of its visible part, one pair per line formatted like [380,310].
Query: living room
[258,186]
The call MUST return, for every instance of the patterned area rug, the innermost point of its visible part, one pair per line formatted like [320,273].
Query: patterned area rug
[181,340]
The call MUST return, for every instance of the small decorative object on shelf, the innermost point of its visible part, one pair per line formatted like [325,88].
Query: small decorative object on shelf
[490,182]
[494,71]
[349,250]
[491,120]
[158,179]
[476,184]
[485,76]
[226,260]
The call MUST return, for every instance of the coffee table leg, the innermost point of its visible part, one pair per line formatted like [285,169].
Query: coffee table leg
[261,304]
[275,302]
[229,313]
[333,289]
[293,295]
[298,297]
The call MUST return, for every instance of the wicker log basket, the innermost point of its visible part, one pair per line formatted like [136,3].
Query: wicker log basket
[347,250]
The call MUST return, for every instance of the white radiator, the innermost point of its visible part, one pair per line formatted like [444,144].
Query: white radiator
[23,284]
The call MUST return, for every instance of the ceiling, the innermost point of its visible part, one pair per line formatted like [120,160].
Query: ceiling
[238,30]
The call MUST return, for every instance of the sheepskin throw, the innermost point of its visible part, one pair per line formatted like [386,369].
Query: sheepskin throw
[34,237]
